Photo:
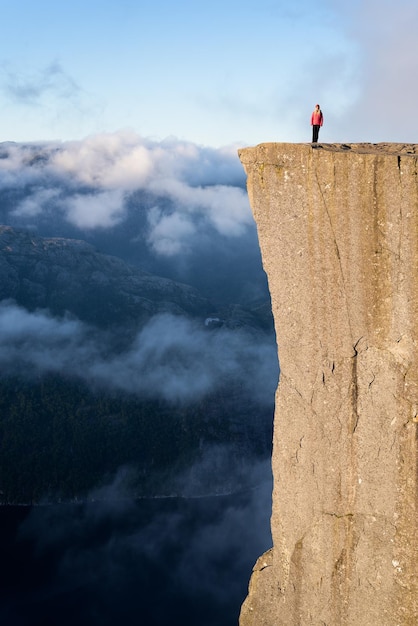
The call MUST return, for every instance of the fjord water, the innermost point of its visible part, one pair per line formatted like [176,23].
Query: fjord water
[151,562]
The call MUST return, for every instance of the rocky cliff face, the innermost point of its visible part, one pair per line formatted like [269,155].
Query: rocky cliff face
[338,231]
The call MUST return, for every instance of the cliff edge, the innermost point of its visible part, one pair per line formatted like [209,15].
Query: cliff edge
[338,232]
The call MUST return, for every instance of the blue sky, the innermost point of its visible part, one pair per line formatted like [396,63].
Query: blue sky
[226,72]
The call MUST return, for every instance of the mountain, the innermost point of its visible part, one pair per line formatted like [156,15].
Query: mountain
[68,275]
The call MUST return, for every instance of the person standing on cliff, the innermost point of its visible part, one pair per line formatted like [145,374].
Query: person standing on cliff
[317,119]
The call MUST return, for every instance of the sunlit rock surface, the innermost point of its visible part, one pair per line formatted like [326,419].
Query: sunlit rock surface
[338,231]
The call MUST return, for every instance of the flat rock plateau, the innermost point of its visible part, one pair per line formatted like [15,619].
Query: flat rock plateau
[338,232]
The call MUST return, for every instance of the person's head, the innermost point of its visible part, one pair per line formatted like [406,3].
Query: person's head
[317,107]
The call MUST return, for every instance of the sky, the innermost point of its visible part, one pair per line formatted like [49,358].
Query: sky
[219,73]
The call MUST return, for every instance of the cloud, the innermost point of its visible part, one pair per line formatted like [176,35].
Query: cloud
[18,325]
[384,56]
[182,361]
[126,160]
[391,50]
[39,341]
[113,161]
[225,207]
[30,89]
[100,210]
[93,184]
[169,234]
[36,203]
[171,357]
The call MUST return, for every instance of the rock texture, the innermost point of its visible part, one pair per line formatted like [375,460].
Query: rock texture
[338,231]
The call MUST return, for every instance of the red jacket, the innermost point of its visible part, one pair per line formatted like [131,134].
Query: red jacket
[317,118]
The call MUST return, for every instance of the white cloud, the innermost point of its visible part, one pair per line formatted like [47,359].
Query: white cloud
[224,208]
[171,357]
[169,234]
[111,161]
[17,324]
[228,209]
[34,204]
[175,358]
[101,210]
[382,97]
[89,183]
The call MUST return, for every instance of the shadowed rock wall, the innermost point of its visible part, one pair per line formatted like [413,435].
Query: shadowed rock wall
[338,231]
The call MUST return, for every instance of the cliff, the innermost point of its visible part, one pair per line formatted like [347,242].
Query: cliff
[338,231]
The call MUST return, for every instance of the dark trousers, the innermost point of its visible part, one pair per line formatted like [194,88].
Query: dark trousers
[315,132]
